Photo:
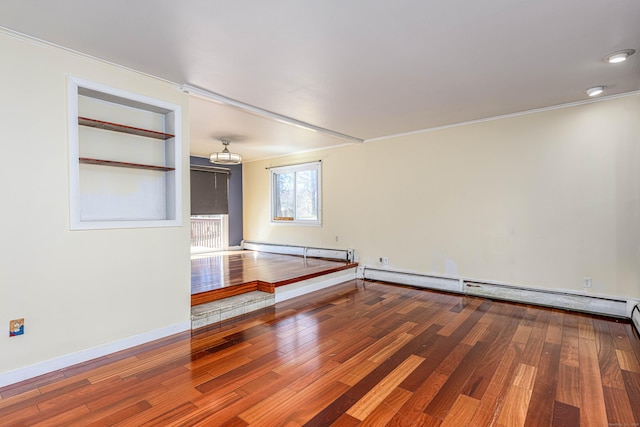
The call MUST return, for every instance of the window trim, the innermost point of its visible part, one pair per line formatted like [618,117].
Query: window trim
[274,171]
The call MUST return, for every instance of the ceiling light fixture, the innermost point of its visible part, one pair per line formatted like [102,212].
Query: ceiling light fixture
[595,91]
[225,157]
[619,56]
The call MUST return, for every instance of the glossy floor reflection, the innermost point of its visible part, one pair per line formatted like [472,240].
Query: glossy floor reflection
[360,353]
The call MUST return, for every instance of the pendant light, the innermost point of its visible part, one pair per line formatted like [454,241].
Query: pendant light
[225,157]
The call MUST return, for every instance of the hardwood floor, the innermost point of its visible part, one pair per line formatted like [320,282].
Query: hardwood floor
[220,275]
[360,353]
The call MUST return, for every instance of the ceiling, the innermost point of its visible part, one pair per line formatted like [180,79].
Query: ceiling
[363,68]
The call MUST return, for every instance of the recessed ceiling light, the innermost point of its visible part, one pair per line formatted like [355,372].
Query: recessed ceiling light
[619,56]
[595,91]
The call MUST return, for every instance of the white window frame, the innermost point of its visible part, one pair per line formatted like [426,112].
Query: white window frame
[274,171]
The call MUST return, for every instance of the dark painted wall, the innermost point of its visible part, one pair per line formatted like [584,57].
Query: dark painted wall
[235,198]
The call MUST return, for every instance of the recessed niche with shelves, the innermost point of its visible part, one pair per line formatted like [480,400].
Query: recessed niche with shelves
[125,159]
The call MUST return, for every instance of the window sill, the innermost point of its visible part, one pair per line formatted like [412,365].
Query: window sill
[296,223]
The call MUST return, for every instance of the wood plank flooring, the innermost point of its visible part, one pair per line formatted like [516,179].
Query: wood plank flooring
[224,274]
[357,354]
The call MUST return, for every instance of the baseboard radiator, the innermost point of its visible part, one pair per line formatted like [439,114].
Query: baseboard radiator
[585,303]
[635,317]
[346,255]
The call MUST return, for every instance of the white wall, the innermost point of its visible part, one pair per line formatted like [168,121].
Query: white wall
[540,200]
[77,290]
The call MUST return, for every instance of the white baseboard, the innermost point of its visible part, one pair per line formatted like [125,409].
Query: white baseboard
[631,303]
[71,359]
[297,289]
[339,254]
[608,306]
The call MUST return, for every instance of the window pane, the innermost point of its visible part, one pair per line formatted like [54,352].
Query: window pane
[307,195]
[285,195]
[296,194]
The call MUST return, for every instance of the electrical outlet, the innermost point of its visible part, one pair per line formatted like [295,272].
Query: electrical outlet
[16,327]
[336,238]
[586,282]
[385,260]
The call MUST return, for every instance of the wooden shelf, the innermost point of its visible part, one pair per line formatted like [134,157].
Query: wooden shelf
[84,121]
[90,161]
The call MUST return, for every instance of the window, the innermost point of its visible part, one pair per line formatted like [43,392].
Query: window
[209,191]
[296,194]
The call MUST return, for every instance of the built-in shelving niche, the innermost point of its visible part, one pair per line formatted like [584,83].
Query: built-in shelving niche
[125,159]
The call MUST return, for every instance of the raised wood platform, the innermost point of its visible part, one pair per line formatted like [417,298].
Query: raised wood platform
[225,274]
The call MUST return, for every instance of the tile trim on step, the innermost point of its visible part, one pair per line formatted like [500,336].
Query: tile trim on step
[224,309]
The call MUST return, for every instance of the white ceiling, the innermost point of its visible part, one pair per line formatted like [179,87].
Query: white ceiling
[364,68]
